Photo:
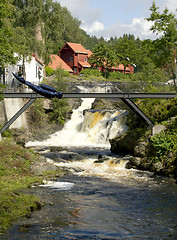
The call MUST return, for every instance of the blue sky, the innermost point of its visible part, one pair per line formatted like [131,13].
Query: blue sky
[110,18]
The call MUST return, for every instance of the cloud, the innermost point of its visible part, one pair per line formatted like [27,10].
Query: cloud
[171,5]
[94,27]
[75,6]
[92,17]
[138,27]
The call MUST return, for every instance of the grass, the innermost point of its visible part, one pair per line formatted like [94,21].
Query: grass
[15,175]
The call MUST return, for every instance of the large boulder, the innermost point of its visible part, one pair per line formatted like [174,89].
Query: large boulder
[140,149]
[127,142]
[158,129]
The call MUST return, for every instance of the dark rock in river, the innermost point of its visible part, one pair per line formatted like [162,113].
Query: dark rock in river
[140,149]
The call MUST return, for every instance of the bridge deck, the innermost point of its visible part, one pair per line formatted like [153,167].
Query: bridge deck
[96,95]
[125,97]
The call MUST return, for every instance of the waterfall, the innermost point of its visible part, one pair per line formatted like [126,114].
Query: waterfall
[94,128]
[88,127]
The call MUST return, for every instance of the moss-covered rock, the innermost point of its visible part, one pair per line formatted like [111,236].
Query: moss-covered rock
[127,143]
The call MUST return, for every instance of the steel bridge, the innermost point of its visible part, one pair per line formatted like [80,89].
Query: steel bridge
[124,96]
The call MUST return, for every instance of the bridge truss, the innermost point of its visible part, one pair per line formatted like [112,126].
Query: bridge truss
[125,97]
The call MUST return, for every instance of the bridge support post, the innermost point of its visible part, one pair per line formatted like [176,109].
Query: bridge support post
[17,115]
[137,111]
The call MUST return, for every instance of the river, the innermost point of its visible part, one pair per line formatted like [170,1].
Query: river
[89,203]
[99,198]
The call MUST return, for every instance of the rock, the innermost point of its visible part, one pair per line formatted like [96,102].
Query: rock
[158,166]
[41,167]
[21,140]
[126,144]
[134,162]
[47,104]
[140,149]
[101,159]
[158,129]
[55,149]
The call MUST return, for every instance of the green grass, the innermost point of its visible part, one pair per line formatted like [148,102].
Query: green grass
[15,175]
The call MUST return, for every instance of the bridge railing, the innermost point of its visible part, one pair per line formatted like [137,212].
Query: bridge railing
[103,87]
[119,86]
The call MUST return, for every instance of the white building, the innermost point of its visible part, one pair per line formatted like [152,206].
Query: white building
[33,72]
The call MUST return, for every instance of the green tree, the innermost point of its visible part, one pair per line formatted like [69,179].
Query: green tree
[49,19]
[6,33]
[165,26]
[103,56]
[127,50]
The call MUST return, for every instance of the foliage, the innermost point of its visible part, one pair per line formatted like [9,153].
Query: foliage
[1,88]
[60,106]
[164,25]
[91,72]
[119,76]
[60,74]
[44,26]
[103,56]
[163,143]
[127,51]
[159,110]
[37,115]
[6,33]
[150,74]
[60,111]
[49,71]
[15,175]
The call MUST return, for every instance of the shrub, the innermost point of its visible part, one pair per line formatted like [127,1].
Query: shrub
[49,71]
[163,143]
[91,72]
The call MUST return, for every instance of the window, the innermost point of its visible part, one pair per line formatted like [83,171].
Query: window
[75,70]
[85,59]
[20,69]
[71,59]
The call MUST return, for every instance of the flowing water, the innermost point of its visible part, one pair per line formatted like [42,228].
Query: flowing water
[99,198]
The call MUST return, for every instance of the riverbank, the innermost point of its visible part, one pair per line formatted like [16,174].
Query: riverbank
[20,169]
[153,149]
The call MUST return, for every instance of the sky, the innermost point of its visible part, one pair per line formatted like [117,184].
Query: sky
[110,18]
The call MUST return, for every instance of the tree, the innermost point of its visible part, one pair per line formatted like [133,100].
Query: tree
[54,22]
[165,26]
[127,50]
[6,33]
[103,56]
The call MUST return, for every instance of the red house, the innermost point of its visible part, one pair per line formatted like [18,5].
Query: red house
[75,56]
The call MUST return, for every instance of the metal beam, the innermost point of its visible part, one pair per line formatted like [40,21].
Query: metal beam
[95,95]
[17,115]
[137,110]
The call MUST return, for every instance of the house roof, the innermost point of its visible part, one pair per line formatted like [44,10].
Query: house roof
[57,62]
[84,64]
[76,47]
[89,52]
[37,60]
[121,67]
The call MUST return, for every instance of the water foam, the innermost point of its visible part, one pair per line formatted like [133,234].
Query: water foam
[57,185]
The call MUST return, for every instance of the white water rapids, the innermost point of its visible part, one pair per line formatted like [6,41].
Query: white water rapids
[92,129]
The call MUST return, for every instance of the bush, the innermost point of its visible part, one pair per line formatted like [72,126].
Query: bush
[91,72]
[60,110]
[119,76]
[163,143]
[49,71]
[159,109]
